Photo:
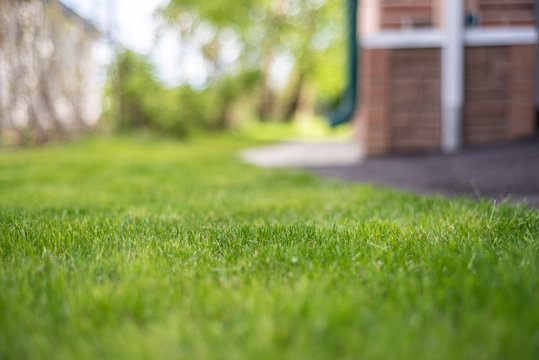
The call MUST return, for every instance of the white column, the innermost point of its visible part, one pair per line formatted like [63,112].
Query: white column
[369,17]
[452,76]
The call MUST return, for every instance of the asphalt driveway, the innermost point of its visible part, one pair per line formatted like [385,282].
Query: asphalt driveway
[495,171]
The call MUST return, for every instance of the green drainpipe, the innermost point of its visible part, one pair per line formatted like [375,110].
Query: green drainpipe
[348,101]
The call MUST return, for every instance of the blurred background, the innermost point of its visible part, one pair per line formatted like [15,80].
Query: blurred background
[176,67]
[430,75]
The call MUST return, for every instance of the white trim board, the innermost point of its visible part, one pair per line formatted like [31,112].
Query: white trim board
[406,39]
[434,38]
[501,36]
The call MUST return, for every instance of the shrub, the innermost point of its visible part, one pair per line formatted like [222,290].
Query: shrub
[137,100]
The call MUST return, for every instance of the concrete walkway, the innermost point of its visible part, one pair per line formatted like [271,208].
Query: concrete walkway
[496,172]
[304,154]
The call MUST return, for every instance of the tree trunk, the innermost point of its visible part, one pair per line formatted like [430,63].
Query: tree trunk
[223,121]
[267,98]
[293,104]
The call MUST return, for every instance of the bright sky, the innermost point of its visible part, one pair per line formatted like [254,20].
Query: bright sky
[135,26]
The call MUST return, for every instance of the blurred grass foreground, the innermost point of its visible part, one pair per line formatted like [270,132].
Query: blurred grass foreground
[150,248]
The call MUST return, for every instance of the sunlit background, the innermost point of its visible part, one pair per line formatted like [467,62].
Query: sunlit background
[135,25]
[171,66]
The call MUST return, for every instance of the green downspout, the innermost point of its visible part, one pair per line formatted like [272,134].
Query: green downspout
[348,101]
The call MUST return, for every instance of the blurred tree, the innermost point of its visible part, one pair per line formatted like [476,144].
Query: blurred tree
[47,88]
[229,89]
[311,32]
[131,83]
[137,100]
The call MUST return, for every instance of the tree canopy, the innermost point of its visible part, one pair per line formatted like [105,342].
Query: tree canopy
[266,59]
[309,33]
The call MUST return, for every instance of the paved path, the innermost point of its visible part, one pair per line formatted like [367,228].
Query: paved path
[496,172]
[304,154]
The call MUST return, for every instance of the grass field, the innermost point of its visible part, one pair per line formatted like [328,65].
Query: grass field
[149,248]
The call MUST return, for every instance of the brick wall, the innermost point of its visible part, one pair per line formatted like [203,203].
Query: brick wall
[499,94]
[371,122]
[503,12]
[397,14]
[400,109]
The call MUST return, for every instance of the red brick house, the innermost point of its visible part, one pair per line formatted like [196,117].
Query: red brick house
[438,75]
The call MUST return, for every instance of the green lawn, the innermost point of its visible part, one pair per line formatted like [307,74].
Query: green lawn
[150,248]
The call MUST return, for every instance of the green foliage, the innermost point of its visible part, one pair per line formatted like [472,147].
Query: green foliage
[150,248]
[312,32]
[136,99]
[130,81]
[312,130]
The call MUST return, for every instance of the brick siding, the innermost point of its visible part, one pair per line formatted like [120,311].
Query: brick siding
[503,12]
[414,100]
[372,125]
[499,94]
[400,109]
[397,14]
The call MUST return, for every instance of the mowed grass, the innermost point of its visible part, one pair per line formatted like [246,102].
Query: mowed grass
[150,248]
